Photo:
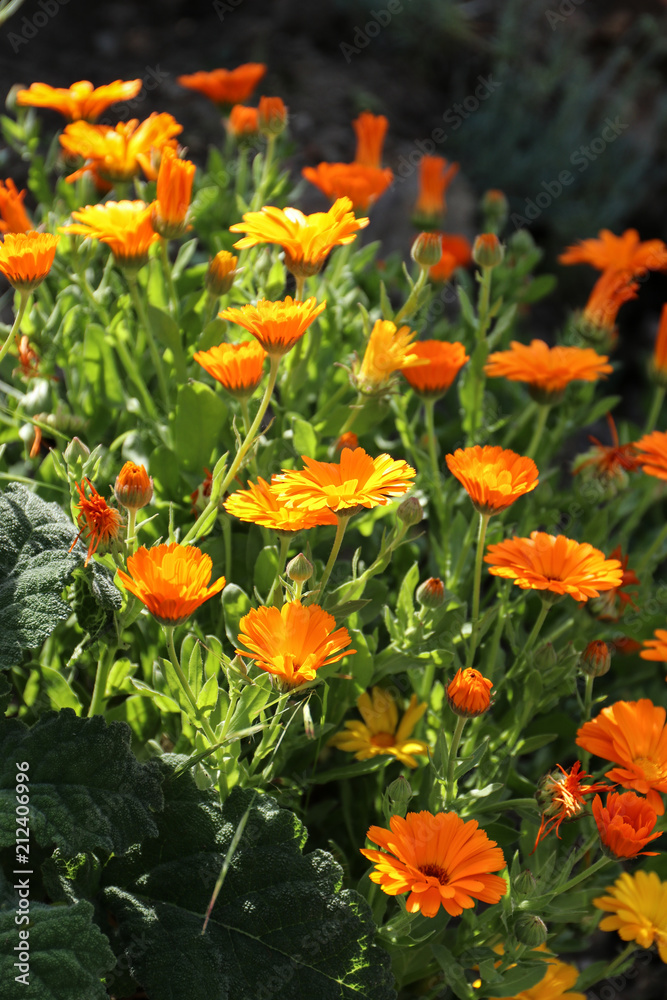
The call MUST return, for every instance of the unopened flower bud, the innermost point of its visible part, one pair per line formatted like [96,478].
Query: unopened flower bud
[133,488]
[221,273]
[347,440]
[596,658]
[431,593]
[427,249]
[525,884]
[521,243]
[76,451]
[272,116]
[410,511]
[530,929]
[545,657]
[469,694]
[299,569]
[495,209]
[399,794]
[487,250]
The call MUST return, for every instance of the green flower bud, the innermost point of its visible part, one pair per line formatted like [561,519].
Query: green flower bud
[530,929]
[299,569]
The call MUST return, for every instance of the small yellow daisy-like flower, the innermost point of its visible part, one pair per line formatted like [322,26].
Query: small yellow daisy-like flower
[637,908]
[381,734]
[125,226]
[389,349]
[26,258]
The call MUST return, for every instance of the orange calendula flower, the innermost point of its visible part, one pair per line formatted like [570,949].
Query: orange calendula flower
[347,440]
[595,660]
[618,253]
[26,258]
[13,216]
[170,580]
[445,361]
[133,488]
[562,795]
[261,504]
[174,192]
[440,859]
[370,131]
[625,824]
[381,734]
[225,86]
[243,121]
[362,185]
[652,455]
[435,176]
[633,735]
[100,524]
[306,239]
[637,905]
[554,563]
[493,477]
[356,481]
[276,325]
[81,100]
[547,370]
[118,154]
[469,693]
[655,649]
[658,367]
[556,984]
[125,227]
[610,291]
[271,116]
[293,642]
[389,349]
[238,368]
[221,273]
[456,252]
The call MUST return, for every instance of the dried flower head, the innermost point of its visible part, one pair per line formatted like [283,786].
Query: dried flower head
[99,523]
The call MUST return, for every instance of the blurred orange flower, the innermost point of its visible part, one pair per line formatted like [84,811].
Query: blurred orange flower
[562,796]
[653,454]
[261,504]
[238,368]
[659,360]
[271,115]
[389,349]
[370,131]
[276,325]
[306,239]
[554,563]
[243,121]
[221,273]
[100,524]
[125,226]
[380,734]
[445,360]
[633,735]
[609,292]
[440,859]
[292,642]
[469,693]
[81,100]
[618,253]
[174,192]
[170,580]
[435,176]
[118,154]
[347,440]
[362,185]
[13,216]
[493,477]
[27,258]
[656,649]
[225,86]
[605,605]
[547,370]
[356,481]
[456,252]
[610,462]
[625,824]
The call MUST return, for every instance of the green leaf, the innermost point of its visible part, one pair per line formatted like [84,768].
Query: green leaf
[199,419]
[236,604]
[305,438]
[453,972]
[281,925]
[99,366]
[167,332]
[266,566]
[35,565]
[475,757]
[87,790]
[68,952]
[538,288]
[208,696]
[534,743]
[520,977]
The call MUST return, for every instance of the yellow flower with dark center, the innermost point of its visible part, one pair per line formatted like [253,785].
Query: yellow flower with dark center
[637,908]
[381,734]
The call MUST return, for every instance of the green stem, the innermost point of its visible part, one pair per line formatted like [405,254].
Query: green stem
[24,297]
[410,304]
[152,346]
[280,569]
[588,709]
[335,549]
[451,766]
[172,298]
[581,877]
[480,334]
[210,309]
[465,548]
[187,690]
[135,377]
[266,167]
[131,537]
[537,627]
[436,485]
[658,400]
[477,584]
[540,424]
[618,962]
[300,287]
[354,413]
[103,668]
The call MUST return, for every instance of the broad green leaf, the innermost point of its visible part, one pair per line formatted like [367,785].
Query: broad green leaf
[281,924]
[520,977]
[475,757]
[453,972]
[54,686]
[100,369]
[236,604]
[538,288]
[208,696]
[305,438]
[199,418]
[167,332]
[87,790]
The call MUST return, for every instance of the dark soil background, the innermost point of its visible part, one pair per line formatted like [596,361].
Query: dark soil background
[559,70]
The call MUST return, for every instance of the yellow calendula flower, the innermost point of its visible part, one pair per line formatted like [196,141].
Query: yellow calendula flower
[389,349]
[381,734]
[637,908]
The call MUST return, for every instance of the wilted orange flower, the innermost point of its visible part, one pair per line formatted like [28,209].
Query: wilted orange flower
[632,734]
[653,454]
[243,121]
[362,185]
[445,360]
[239,368]
[655,649]
[100,524]
[440,859]
[493,477]
[370,131]
[133,488]
[13,216]
[618,253]
[625,823]
[28,360]
[456,252]
[174,191]
[276,325]
[554,563]
[638,907]
[118,154]
[271,115]
[389,349]
[606,606]
[221,273]
[609,292]
[562,796]
[610,462]
[435,176]
[347,440]
[658,362]
[261,504]
[81,100]
[381,734]
[125,227]
[170,580]
[293,642]
[201,495]
[547,370]
[26,258]
[356,481]
[306,239]
[225,86]
[469,693]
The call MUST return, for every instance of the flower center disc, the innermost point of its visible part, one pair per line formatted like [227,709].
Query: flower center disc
[652,771]
[383,739]
[435,871]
